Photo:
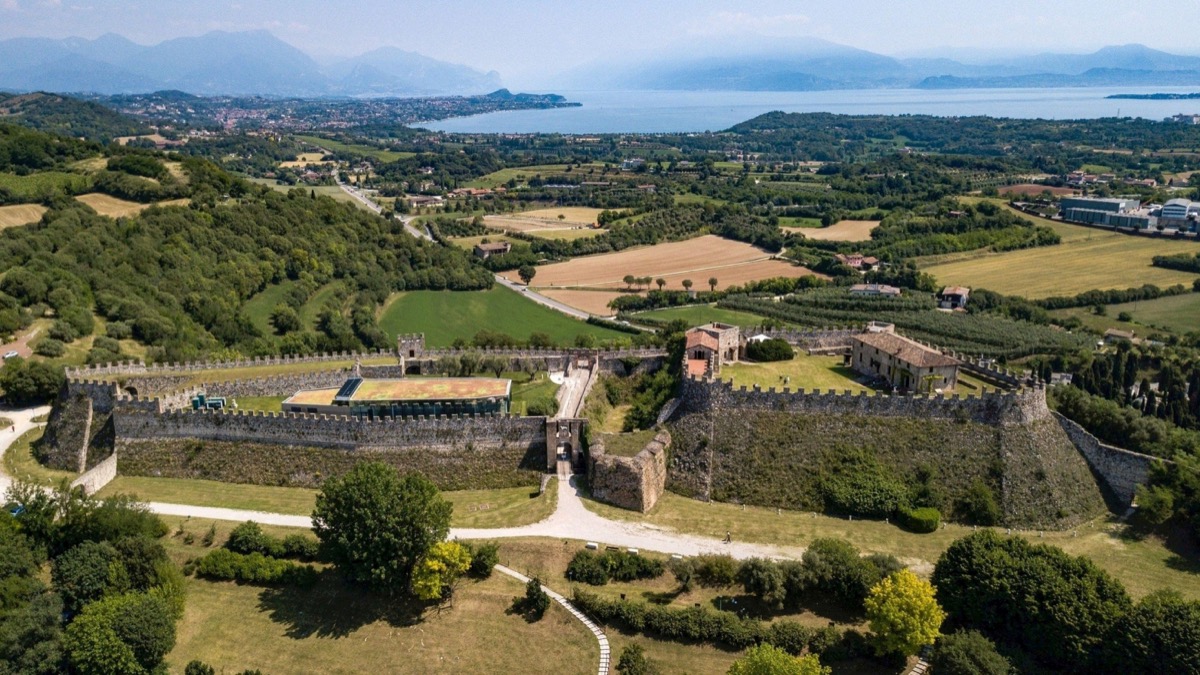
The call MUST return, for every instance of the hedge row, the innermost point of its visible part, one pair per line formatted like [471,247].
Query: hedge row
[249,538]
[597,569]
[254,568]
[699,624]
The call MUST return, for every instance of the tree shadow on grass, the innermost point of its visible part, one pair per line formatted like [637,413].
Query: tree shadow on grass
[333,608]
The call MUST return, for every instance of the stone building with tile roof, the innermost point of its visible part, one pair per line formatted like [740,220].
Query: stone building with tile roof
[905,364]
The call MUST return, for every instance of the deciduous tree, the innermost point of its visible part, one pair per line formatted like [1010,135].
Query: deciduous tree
[767,659]
[903,614]
[375,525]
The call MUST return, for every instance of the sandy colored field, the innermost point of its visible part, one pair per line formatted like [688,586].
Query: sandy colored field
[731,262]
[1033,190]
[119,208]
[1086,259]
[20,214]
[845,230]
[543,222]
[125,140]
[304,159]
[592,302]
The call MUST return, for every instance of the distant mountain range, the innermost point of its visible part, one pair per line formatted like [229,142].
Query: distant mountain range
[813,64]
[258,63]
[221,63]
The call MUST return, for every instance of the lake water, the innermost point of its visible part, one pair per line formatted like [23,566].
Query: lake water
[683,111]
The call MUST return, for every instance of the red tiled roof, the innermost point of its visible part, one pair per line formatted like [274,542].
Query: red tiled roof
[906,350]
[699,338]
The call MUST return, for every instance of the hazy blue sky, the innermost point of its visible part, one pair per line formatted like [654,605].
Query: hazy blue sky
[528,39]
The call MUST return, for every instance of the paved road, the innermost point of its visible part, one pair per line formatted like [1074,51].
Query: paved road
[541,299]
[22,422]
[571,520]
[422,233]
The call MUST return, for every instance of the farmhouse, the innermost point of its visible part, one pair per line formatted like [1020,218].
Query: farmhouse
[408,397]
[905,364]
[953,297]
[712,345]
[485,251]
[875,290]
[857,260]
[416,201]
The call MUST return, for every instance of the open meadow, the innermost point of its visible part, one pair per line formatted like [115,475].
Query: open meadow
[845,230]
[337,628]
[112,207]
[1087,259]
[698,259]
[519,174]
[20,214]
[1177,314]
[445,316]
[802,372]
[353,149]
[576,222]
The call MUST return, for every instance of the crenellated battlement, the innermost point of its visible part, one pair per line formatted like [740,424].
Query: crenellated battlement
[1024,404]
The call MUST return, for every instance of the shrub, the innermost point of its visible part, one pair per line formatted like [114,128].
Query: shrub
[248,537]
[300,547]
[254,568]
[118,330]
[716,570]
[764,579]
[597,568]
[483,559]
[198,668]
[633,661]
[789,636]
[770,350]
[684,570]
[979,506]
[921,520]
[50,348]
[864,489]
[587,568]
[542,407]
[968,653]
[63,331]
[534,603]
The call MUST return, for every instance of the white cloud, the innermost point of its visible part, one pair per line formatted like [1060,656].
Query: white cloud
[727,23]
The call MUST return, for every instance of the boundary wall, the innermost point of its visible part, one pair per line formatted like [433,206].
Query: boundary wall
[1120,471]
[997,408]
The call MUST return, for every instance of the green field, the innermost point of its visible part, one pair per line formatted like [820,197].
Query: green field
[700,314]
[1087,259]
[444,316]
[259,307]
[521,174]
[803,372]
[339,629]
[38,186]
[1176,314]
[366,150]
[21,465]
[505,507]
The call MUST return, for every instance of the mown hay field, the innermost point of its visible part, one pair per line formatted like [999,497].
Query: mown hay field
[846,230]
[698,259]
[593,302]
[1086,259]
[110,206]
[20,214]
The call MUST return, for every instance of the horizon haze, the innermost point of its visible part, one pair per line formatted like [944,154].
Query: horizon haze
[520,40]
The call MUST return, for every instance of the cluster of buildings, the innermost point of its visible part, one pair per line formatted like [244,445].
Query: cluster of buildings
[1180,215]
[878,353]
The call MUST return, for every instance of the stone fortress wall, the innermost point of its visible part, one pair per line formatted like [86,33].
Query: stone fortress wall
[146,412]
[634,483]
